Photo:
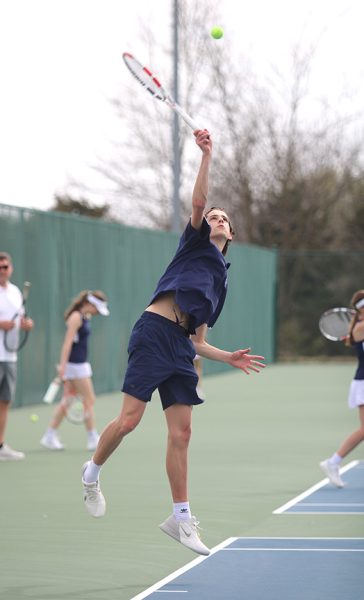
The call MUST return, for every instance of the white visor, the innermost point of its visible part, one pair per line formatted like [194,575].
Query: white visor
[100,305]
[359,304]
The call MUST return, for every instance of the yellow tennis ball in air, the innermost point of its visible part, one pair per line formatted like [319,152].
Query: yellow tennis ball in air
[34,418]
[217,32]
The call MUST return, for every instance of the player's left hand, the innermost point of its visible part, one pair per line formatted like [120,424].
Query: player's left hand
[241,359]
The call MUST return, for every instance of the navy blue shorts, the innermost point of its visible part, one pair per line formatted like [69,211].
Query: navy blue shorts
[161,356]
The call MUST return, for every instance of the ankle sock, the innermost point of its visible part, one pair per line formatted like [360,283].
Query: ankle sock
[335,459]
[181,511]
[91,473]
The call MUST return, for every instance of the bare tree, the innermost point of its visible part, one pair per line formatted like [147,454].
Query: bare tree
[289,180]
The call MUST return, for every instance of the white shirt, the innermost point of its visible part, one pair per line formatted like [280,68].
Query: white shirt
[11,301]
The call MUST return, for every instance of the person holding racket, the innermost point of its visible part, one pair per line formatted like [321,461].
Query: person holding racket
[74,369]
[12,317]
[355,338]
[188,298]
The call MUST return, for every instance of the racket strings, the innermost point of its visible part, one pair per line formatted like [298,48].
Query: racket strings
[144,77]
[14,339]
[335,325]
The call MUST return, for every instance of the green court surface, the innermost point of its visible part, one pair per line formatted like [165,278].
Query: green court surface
[256,444]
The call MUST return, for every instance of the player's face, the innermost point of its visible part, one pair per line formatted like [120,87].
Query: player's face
[219,223]
[5,271]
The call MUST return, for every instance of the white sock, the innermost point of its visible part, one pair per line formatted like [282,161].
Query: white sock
[181,511]
[93,433]
[335,459]
[91,473]
[51,431]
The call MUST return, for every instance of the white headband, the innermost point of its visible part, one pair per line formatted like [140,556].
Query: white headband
[359,304]
[100,305]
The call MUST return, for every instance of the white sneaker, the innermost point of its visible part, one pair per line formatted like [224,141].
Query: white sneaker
[51,442]
[92,441]
[7,453]
[93,497]
[332,472]
[185,532]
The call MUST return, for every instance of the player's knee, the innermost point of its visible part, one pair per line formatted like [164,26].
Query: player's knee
[180,436]
[127,424]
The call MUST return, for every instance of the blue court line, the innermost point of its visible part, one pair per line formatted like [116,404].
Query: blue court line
[325,498]
[270,568]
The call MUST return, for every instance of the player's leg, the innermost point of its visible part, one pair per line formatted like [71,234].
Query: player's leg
[131,413]
[181,525]
[354,438]
[7,394]
[331,465]
[50,438]
[84,388]
[178,417]
[130,416]
[4,411]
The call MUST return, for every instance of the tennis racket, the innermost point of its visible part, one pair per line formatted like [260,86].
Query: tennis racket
[15,338]
[75,412]
[154,87]
[334,323]
[52,391]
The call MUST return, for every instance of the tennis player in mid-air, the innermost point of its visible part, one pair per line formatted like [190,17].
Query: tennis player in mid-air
[164,341]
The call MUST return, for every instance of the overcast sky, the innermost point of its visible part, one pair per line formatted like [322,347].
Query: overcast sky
[61,63]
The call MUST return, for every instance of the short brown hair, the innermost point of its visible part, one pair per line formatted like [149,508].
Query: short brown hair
[225,248]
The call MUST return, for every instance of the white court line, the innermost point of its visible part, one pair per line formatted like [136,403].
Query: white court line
[331,504]
[222,546]
[311,490]
[190,565]
[263,549]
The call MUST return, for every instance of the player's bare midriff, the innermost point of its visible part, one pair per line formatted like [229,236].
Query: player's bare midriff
[166,306]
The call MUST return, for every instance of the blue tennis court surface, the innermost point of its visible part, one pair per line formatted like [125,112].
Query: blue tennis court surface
[272,569]
[328,499]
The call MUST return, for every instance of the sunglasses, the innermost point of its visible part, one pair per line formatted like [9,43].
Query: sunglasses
[4,267]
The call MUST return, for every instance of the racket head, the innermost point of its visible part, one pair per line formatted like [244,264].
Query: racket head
[75,412]
[334,323]
[15,338]
[145,77]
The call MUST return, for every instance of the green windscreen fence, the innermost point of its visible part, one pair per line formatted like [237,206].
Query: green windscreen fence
[62,254]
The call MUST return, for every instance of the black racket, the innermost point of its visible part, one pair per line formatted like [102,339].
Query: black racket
[15,338]
[334,323]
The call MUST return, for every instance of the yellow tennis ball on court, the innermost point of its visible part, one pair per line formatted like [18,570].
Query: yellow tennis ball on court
[34,418]
[217,32]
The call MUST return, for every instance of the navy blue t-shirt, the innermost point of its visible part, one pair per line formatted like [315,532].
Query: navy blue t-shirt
[198,276]
[79,347]
[359,374]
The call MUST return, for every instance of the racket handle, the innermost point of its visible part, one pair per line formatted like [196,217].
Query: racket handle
[187,119]
[52,391]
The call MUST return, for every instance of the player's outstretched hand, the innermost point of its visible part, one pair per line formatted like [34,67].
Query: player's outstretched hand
[241,359]
[203,140]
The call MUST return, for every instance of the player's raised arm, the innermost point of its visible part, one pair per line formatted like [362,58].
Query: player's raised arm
[200,190]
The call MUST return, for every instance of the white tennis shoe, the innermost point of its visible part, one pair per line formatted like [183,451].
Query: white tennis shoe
[185,532]
[332,472]
[93,497]
[51,442]
[7,453]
